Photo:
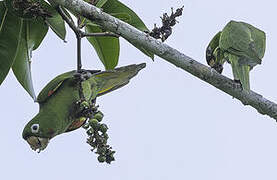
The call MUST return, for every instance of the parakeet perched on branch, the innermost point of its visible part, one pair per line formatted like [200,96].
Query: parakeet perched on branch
[240,44]
[60,101]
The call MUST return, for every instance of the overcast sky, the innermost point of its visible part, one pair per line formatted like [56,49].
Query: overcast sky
[166,124]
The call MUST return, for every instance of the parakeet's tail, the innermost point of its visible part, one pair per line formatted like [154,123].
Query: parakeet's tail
[113,79]
[240,72]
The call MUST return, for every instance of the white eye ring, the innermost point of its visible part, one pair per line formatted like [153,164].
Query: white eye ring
[35,128]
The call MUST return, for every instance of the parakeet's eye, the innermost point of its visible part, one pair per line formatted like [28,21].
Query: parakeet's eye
[35,128]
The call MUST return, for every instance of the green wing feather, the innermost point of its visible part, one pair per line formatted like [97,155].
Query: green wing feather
[108,81]
[259,39]
[53,86]
[104,81]
[237,38]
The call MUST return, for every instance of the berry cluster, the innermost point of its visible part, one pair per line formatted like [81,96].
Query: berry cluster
[97,138]
[28,8]
[168,22]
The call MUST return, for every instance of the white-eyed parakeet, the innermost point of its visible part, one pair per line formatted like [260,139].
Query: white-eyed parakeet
[243,46]
[58,107]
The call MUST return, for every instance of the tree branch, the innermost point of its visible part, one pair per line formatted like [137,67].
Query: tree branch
[173,56]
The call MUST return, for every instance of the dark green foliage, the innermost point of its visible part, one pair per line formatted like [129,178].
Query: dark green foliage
[21,34]
[107,48]
[10,35]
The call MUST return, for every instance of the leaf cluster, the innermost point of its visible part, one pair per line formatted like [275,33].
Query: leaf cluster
[25,23]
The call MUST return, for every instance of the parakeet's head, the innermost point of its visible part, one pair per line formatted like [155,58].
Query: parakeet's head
[39,131]
[212,53]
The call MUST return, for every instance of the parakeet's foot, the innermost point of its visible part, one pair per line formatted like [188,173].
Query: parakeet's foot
[82,75]
[238,84]
[218,68]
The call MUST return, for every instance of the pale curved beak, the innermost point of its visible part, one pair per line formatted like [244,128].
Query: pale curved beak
[37,143]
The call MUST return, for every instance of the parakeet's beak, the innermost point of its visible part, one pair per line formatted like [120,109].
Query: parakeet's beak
[37,143]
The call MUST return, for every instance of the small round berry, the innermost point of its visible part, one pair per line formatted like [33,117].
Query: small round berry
[90,131]
[93,122]
[104,128]
[101,158]
[101,150]
[99,116]
[106,136]
[86,126]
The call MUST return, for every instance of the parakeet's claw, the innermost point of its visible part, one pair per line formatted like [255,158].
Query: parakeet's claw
[37,143]
[218,67]
[238,84]
[82,75]
[228,61]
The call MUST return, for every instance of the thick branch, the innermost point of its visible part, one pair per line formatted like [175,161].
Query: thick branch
[171,55]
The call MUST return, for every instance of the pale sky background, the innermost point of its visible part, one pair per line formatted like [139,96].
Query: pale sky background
[166,124]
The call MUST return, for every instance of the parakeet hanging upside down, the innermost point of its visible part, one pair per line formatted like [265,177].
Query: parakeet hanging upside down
[57,102]
[240,44]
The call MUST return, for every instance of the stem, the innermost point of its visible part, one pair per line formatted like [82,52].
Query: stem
[77,33]
[79,60]
[68,20]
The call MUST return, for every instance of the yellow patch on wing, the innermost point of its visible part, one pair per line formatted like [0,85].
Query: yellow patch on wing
[105,90]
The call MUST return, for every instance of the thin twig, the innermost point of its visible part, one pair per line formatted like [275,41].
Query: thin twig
[69,21]
[171,55]
[78,31]
[79,60]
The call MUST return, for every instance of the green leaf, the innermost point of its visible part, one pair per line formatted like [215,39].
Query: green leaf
[32,34]
[10,30]
[115,7]
[106,47]
[56,22]
[122,16]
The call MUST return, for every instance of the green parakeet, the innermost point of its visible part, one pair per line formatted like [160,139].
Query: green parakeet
[57,102]
[242,45]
